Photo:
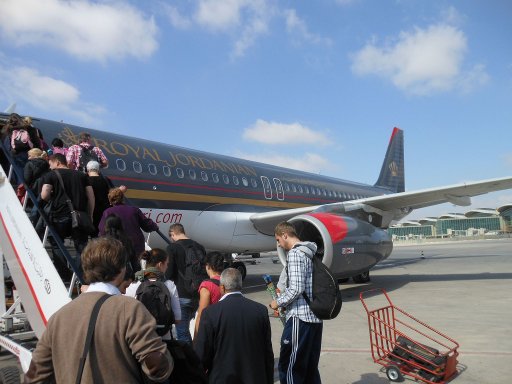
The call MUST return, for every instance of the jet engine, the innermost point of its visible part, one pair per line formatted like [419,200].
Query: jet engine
[348,246]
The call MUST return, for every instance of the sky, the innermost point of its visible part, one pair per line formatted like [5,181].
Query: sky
[311,85]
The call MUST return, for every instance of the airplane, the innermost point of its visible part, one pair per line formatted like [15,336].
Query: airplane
[232,205]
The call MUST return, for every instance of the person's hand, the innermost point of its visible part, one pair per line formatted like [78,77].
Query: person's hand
[273,305]
[123,188]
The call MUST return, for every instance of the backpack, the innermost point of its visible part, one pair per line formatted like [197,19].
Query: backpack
[20,140]
[326,302]
[157,299]
[86,155]
[195,268]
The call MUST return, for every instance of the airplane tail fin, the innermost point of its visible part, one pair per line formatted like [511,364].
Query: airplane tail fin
[392,172]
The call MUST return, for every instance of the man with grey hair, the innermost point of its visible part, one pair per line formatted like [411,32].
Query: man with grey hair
[234,338]
[100,186]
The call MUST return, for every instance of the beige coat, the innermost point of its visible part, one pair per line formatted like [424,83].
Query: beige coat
[124,335]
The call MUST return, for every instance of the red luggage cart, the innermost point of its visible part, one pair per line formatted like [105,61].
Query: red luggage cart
[406,345]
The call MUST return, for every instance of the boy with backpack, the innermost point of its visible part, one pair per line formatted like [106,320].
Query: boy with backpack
[187,268]
[302,334]
[80,154]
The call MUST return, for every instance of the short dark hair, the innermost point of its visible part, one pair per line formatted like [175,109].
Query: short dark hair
[84,136]
[57,143]
[103,259]
[58,157]
[177,227]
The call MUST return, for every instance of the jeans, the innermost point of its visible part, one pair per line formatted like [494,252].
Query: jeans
[188,311]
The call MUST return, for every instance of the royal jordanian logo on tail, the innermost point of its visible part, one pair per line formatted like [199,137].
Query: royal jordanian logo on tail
[393,168]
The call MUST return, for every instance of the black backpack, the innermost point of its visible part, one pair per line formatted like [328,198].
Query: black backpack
[86,154]
[326,302]
[195,268]
[156,297]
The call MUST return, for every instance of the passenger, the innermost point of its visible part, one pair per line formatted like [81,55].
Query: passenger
[302,334]
[37,165]
[80,154]
[58,147]
[124,340]
[27,122]
[79,191]
[234,339]
[132,217]
[114,229]
[156,264]
[209,291]
[22,138]
[177,271]
[100,187]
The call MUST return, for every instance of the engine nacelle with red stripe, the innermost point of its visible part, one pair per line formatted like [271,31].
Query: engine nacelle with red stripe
[348,246]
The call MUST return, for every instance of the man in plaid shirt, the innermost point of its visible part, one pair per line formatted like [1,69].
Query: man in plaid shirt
[302,335]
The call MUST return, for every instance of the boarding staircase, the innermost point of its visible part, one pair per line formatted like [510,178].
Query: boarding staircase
[36,288]
[38,291]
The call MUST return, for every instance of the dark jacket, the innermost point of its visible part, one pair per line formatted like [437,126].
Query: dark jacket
[234,342]
[176,252]
[133,221]
[34,169]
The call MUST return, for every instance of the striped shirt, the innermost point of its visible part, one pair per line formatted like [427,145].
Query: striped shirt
[300,279]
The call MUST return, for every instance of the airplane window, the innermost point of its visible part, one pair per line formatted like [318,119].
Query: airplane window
[325,192]
[166,170]
[287,187]
[306,189]
[318,192]
[225,178]
[245,182]
[215,178]
[192,174]
[152,169]
[204,176]
[300,189]
[235,180]
[180,173]
[344,195]
[121,165]
[254,183]
[329,193]
[294,188]
[313,191]
[137,167]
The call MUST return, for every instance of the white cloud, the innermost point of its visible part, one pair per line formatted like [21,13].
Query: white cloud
[219,14]
[27,85]
[283,134]
[308,162]
[177,19]
[82,28]
[422,62]
[297,27]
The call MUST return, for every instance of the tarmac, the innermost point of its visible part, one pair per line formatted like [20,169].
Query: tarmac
[462,289]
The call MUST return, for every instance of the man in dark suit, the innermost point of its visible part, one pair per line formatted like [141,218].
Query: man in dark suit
[234,338]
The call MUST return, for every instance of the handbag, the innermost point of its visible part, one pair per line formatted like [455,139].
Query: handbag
[80,220]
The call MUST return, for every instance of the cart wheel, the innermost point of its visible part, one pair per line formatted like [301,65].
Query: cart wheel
[10,375]
[394,374]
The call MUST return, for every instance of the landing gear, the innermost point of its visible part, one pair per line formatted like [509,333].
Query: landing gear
[362,278]
[241,268]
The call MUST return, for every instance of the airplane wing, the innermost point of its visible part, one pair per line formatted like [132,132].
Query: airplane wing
[404,202]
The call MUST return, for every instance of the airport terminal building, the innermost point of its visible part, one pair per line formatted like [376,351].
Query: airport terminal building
[476,222]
